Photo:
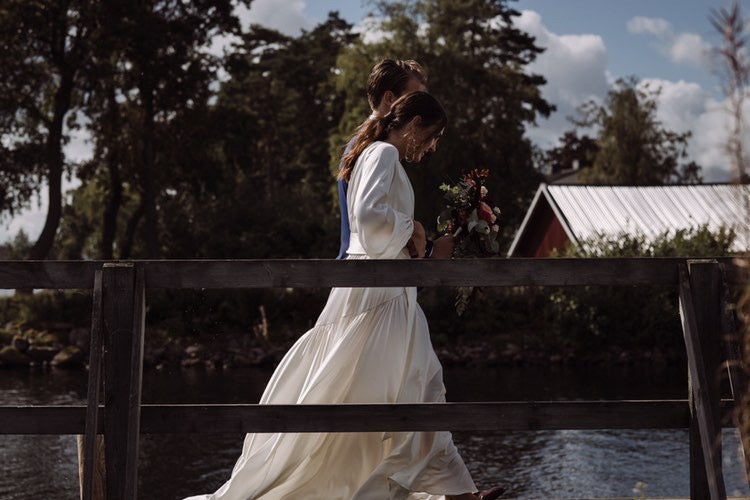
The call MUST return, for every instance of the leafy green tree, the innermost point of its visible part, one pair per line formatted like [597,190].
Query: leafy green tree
[16,249]
[259,185]
[634,147]
[573,152]
[149,69]
[476,61]
[43,52]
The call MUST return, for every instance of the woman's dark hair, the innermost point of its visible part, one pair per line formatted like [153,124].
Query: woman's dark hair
[404,110]
[393,75]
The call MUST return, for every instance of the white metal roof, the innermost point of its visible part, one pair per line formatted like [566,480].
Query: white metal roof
[586,212]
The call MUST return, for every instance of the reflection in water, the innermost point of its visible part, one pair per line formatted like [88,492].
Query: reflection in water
[539,464]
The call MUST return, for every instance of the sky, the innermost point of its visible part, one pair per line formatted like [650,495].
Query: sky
[589,44]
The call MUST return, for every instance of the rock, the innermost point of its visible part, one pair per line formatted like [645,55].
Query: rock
[6,336]
[81,338]
[20,343]
[42,353]
[194,350]
[47,339]
[68,357]
[10,356]
[191,362]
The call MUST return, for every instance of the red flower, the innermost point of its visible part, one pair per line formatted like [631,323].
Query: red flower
[485,213]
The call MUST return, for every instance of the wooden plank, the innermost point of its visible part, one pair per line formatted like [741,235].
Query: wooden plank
[99,484]
[48,274]
[92,480]
[136,381]
[701,382]
[731,335]
[507,416]
[121,332]
[330,272]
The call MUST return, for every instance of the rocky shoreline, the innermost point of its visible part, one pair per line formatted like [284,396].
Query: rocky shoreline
[65,346]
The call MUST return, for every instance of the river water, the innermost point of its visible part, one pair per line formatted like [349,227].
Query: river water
[544,464]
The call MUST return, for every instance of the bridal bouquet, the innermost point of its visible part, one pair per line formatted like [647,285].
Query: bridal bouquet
[472,219]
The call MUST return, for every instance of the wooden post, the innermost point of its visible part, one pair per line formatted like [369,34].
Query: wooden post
[699,311]
[123,306]
[91,447]
[731,335]
[96,489]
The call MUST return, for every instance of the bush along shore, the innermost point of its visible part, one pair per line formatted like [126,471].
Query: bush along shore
[64,346]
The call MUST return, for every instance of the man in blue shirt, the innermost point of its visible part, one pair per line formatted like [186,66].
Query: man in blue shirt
[388,81]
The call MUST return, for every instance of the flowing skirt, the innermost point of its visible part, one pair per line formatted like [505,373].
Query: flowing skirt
[369,345]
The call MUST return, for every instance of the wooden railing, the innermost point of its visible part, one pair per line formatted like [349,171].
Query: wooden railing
[116,357]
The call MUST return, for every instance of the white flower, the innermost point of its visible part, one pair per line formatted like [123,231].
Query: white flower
[496,210]
[483,191]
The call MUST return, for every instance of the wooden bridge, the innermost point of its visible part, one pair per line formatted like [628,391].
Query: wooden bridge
[116,357]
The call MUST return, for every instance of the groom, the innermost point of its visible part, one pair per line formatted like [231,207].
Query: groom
[388,81]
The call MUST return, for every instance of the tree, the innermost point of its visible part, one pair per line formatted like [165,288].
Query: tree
[264,143]
[44,48]
[476,61]
[634,147]
[573,153]
[735,76]
[148,69]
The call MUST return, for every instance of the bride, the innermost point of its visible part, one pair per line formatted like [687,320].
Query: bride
[369,345]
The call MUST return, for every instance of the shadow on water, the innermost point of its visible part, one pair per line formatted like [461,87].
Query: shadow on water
[539,464]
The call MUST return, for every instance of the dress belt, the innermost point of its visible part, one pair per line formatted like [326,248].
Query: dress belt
[356,248]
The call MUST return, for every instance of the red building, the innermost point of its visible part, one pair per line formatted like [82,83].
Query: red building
[563,214]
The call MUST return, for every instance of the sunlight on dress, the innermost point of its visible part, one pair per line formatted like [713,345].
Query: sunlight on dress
[369,345]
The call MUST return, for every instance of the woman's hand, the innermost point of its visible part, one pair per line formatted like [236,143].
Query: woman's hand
[418,241]
[443,247]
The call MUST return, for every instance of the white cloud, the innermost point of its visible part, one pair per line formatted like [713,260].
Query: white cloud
[689,48]
[370,28]
[680,48]
[286,16]
[686,106]
[575,67]
[652,25]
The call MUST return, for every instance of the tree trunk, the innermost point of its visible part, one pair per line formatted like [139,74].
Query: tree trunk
[114,198]
[54,160]
[127,244]
[147,172]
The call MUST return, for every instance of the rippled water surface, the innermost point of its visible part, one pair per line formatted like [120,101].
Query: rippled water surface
[544,464]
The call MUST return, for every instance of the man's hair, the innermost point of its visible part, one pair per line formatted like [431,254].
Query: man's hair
[394,76]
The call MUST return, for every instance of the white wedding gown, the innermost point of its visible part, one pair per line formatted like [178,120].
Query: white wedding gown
[369,345]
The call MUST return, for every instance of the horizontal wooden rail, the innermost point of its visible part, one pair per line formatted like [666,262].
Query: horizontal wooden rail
[495,416]
[371,273]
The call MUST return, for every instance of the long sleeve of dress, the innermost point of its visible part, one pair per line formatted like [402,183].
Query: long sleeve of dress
[382,230]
